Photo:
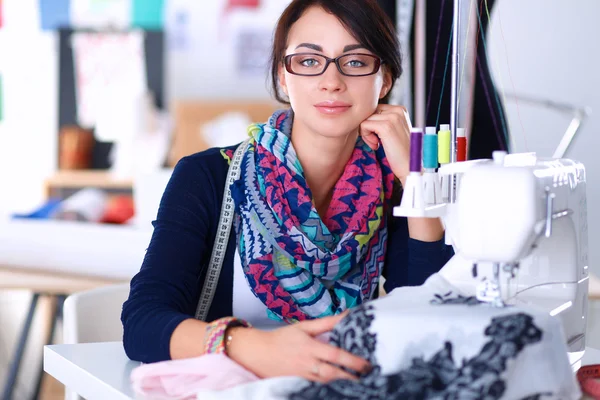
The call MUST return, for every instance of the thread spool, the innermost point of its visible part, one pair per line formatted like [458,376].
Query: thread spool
[430,148]
[416,149]
[461,145]
[444,139]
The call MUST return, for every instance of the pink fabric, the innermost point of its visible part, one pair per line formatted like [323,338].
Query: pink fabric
[183,379]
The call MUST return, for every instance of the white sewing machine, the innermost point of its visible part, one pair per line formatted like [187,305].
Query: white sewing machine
[518,224]
[519,229]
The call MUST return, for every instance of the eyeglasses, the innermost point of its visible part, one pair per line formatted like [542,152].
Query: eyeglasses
[309,64]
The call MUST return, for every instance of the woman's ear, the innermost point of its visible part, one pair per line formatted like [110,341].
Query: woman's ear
[387,83]
[282,82]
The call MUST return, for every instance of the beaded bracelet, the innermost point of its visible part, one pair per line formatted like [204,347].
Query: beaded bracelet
[215,341]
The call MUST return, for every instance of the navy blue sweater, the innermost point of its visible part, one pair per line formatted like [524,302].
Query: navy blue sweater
[166,290]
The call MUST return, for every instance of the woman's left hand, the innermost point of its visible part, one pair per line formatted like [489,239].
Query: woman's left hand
[390,125]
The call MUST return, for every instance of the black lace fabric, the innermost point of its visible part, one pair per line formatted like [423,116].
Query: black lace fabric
[439,377]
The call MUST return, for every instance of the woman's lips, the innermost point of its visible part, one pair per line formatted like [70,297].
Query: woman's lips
[333,107]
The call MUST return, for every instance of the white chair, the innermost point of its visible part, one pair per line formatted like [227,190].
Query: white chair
[94,316]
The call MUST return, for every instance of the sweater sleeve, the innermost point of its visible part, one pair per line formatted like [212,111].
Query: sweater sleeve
[409,262]
[165,290]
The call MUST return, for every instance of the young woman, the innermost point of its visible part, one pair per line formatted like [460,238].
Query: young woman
[312,232]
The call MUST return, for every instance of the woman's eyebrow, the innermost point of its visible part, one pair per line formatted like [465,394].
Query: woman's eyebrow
[351,47]
[311,46]
[316,47]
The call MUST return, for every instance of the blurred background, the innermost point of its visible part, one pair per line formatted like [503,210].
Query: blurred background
[100,98]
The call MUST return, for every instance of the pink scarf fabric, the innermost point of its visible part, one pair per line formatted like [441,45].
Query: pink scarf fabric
[184,379]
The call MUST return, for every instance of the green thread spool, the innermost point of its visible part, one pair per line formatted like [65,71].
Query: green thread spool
[444,139]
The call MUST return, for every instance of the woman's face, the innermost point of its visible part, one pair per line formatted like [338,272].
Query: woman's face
[330,104]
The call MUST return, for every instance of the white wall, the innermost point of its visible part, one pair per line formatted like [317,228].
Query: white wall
[28,64]
[550,49]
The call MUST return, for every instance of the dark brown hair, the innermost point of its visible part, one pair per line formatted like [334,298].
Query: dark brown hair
[364,19]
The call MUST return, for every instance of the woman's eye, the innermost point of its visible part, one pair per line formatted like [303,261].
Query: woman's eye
[355,64]
[309,62]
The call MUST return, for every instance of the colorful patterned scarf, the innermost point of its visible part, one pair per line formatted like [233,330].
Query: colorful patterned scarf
[298,265]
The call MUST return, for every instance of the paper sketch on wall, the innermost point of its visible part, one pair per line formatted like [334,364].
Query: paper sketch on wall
[249,30]
[178,30]
[232,7]
[109,72]
[252,50]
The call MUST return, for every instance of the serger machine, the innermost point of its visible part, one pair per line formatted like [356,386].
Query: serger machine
[518,225]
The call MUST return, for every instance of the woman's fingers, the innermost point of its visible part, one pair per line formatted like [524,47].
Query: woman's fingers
[324,372]
[386,121]
[293,350]
[369,137]
[398,114]
[338,357]
[391,128]
[399,121]
[332,357]
[374,130]
[401,111]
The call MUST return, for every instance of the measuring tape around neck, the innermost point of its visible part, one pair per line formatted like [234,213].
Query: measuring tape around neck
[222,238]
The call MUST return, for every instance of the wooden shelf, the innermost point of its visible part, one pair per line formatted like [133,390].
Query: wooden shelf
[76,179]
[88,178]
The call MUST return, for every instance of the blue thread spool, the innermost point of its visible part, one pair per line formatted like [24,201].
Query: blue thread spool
[430,148]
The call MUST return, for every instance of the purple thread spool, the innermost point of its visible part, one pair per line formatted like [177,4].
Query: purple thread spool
[416,150]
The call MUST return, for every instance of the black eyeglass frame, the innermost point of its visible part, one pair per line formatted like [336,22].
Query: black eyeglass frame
[287,63]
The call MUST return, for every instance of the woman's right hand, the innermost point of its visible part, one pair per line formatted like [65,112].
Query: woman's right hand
[294,351]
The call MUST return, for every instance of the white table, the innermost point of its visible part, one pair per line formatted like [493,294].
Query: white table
[99,371]
[96,371]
